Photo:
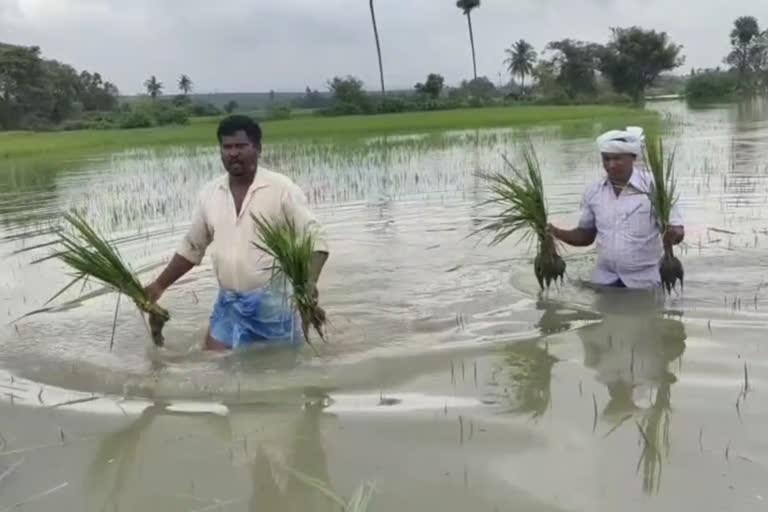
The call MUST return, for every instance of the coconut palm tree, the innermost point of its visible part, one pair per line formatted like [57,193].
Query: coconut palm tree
[378,48]
[185,84]
[521,59]
[467,6]
[154,88]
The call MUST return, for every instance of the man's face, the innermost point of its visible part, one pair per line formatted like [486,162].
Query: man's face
[238,154]
[618,166]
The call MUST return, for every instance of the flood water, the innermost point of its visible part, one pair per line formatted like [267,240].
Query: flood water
[449,383]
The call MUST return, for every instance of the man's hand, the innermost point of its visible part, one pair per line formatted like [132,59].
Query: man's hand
[553,231]
[154,291]
[578,237]
[673,236]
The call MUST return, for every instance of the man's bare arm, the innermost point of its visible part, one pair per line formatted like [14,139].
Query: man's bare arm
[579,237]
[176,268]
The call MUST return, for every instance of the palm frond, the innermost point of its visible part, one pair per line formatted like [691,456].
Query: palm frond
[91,256]
[292,250]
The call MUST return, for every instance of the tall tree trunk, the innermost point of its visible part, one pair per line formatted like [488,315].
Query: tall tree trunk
[378,49]
[472,42]
[522,83]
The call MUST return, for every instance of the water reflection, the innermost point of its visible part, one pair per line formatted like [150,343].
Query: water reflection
[528,368]
[631,350]
[253,457]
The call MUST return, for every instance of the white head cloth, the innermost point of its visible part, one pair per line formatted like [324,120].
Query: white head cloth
[629,141]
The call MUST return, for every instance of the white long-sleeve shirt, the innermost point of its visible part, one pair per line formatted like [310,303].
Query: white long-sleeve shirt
[228,237]
[628,238]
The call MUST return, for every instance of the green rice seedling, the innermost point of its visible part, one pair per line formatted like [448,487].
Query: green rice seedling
[293,251]
[663,197]
[524,211]
[91,256]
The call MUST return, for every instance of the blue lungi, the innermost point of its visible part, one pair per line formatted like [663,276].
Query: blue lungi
[260,316]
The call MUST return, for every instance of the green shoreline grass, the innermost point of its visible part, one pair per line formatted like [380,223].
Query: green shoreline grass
[201,131]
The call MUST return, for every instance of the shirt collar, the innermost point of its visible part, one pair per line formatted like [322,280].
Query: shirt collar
[261,180]
[640,181]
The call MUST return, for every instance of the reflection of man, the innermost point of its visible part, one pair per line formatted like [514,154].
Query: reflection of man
[251,306]
[631,347]
[616,213]
[269,447]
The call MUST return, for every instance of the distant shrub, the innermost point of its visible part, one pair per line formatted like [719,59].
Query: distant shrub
[204,109]
[710,86]
[84,124]
[171,115]
[277,111]
[138,118]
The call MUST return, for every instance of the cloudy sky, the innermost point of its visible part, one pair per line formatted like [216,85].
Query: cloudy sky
[285,45]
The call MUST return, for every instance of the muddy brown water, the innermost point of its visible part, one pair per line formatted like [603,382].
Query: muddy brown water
[448,382]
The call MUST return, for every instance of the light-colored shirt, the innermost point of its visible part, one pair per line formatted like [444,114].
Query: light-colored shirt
[628,240]
[237,263]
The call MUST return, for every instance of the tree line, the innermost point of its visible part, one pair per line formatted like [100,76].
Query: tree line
[746,71]
[631,61]
[568,71]
[36,93]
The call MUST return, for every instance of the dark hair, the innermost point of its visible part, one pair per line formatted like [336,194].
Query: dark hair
[233,124]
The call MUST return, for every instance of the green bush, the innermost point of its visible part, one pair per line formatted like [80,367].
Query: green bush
[137,118]
[171,115]
[277,111]
[710,86]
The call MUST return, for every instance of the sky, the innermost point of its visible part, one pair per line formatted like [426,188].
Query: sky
[286,45]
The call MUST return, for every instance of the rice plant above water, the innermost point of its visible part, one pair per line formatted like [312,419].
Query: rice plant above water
[293,252]
[663,197]
[520,193]
[91,256]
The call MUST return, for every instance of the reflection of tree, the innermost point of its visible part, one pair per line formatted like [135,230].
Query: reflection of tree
[28,183]
[529,368]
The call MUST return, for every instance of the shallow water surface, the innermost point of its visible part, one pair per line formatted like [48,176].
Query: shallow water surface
[448,382]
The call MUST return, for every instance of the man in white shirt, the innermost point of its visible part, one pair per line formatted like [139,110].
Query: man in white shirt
[251,306]
[617,213]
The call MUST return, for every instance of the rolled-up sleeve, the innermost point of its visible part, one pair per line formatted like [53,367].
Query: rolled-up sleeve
[587,218]
[295,206]
[197,239]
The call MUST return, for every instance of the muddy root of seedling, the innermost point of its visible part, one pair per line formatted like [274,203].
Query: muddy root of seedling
[314,316]
[157,320]
[671,271]
[548,266]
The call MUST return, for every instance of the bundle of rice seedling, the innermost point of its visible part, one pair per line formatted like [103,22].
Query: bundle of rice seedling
[521,194]
[293,251]
[663,197]
[93,257]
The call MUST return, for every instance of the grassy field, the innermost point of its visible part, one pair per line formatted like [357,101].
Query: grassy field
[202,131]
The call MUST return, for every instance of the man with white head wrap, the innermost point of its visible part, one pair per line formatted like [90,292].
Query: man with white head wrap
[616,213]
